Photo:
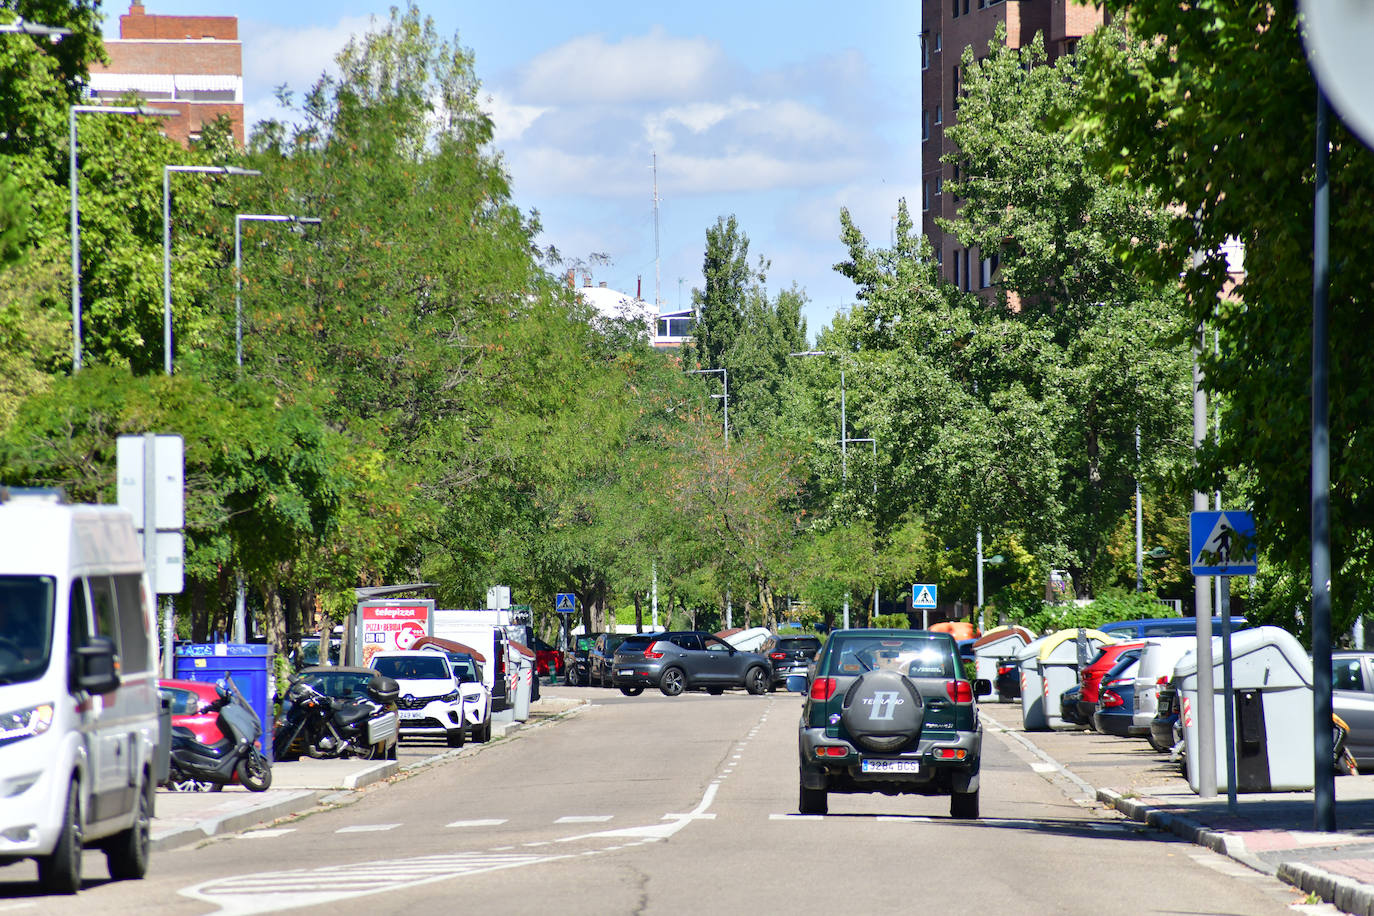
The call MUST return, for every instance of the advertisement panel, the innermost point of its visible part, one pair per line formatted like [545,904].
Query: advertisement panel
[389,625]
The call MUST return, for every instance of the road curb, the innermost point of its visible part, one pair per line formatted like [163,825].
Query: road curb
[1343,893]
[1185,828]
[232,823]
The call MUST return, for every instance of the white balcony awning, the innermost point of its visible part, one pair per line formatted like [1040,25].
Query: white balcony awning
[208,82]
[135,82]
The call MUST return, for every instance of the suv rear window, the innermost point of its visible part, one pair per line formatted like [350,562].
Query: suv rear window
[914,656]
[798,644]
[638,641]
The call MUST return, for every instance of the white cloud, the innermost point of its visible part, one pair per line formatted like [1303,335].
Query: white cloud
[511,119]
[273,55]
[655,66]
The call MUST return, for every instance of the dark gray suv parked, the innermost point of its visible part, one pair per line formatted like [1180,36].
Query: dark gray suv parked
[689,660]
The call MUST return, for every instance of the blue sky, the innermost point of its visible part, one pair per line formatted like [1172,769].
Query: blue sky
[780,113]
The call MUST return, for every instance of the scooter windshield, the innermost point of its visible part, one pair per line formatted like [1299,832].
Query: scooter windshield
[241,718]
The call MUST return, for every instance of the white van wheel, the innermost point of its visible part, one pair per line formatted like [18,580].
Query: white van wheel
[60,872]
[126,853]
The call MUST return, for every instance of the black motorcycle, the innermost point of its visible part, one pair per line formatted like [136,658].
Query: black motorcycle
[318,725]
[235,757]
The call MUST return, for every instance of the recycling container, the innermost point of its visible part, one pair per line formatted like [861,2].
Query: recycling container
[250,666]
[1271,674]
[1059,668]
[523,665]
[995,644]
[1032,696]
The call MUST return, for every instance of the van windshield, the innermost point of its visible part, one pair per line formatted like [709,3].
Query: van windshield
[26,609]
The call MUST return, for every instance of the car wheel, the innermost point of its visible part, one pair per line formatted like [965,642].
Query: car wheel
[632,691]
[60,872]
[126,853]
[813,801]
[756,681]
[456,738]
[486,732]
[393,752]
[715,691]
[964,805]
[672,682]
[255,772]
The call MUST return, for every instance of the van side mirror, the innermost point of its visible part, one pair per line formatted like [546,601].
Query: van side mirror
[982,687]
[95,663]
[796,683]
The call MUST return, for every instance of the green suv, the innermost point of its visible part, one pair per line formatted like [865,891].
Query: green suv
[889,711]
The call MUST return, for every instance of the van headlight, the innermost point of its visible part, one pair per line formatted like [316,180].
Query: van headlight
[25,723]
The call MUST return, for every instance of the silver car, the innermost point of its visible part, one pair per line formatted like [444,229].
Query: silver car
[688,660]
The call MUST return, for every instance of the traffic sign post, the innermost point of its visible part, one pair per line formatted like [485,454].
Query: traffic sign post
[923,600]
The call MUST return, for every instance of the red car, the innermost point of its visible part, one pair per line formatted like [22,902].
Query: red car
[1091,677]
[547,659]
[186,699]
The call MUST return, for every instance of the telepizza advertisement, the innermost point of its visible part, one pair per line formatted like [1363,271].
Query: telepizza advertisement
[390,625]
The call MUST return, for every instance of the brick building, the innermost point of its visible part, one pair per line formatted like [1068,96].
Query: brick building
[193,64]
[947,28]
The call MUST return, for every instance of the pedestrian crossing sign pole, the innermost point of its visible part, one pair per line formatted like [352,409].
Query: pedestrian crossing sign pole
[923,600]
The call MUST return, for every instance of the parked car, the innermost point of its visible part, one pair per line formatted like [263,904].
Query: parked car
[547,659]
[1164,726]
[789,655]
[575,659]
[1069,706]
[307,655]
[1157,660]
[431,705]
[476,696]
[1352,698]
[1164,626]
[1116,697]
[889,711]
[601,658]
[1091,678]
[186,699]
[1008,680]
[689,660]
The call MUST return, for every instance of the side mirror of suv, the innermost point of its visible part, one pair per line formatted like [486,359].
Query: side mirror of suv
[982,687]
[796,683]
[96,666]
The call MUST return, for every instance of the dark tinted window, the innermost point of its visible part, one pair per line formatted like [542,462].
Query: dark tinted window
[339,685]
[639,641]
[182,702]
[133,623]
[413,667]
[584,643]
[1346,675]
[26,609]
[799,644]
[913,656]
[690,641]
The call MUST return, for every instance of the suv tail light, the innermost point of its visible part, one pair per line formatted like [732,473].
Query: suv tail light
[959,691]
[778,656]
[823,688]
[649,651]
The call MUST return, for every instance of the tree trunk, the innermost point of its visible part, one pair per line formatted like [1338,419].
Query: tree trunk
[639,613]
[275,622]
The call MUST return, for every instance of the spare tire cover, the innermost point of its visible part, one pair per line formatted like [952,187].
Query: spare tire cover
[883,711]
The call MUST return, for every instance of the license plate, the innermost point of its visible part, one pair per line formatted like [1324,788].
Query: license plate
[890,766]
[412,714]
[627,671]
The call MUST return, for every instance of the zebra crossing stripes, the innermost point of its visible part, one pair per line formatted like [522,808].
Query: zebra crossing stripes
[264,892]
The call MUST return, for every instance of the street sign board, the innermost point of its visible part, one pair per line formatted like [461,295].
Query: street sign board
[565,603]
[1222,543]
[923,597]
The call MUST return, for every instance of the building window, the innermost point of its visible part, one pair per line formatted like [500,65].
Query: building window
[988,268]
[965,7]
[939,117]
[968,281]
[939,185]
[956,268]
[925,123]
[925,195]
[937,41]
[940,256]
[925,50]
[956,9]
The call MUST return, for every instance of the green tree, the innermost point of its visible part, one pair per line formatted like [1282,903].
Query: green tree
[720,303]
[1179,108]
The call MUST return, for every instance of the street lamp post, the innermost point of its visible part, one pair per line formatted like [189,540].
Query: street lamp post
[725,382]
[75,204]
[239,220]
[167,171]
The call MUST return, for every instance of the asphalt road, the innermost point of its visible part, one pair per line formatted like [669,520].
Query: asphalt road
[657,805]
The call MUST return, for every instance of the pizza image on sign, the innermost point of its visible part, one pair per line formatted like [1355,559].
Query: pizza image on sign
[392,626]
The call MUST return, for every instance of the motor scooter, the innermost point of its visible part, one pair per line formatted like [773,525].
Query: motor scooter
[234,758]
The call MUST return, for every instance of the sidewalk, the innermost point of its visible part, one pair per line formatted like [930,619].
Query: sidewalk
[184,818]
[1270,832]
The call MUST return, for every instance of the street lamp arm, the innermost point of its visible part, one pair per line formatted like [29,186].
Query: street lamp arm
[20,25]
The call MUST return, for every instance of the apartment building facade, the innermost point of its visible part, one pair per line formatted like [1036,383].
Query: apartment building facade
[193,64]
[947,28]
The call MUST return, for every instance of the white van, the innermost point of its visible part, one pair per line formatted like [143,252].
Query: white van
[78,688]
[468,628]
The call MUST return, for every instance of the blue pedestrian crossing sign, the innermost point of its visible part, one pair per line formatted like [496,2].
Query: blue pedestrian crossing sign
[565,603]
[1222,543]
[923,597]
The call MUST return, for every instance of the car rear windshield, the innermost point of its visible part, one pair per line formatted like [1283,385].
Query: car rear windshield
[799,644]
[638,641]
[585,643]
[339,685]
[914,656]
[413,667]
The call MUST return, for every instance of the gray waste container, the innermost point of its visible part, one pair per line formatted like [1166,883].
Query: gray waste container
[1272,678]
[1032,692]
[523,665]
[996,644]
[1059,667]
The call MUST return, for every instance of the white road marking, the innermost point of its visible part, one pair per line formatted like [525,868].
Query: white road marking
[796,817]
[537,843]
[699,817]
[584,819]
[266,834]
[1040,767]
[367,828]
[488,822]
[905,818]
[11,907]
[270,891]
